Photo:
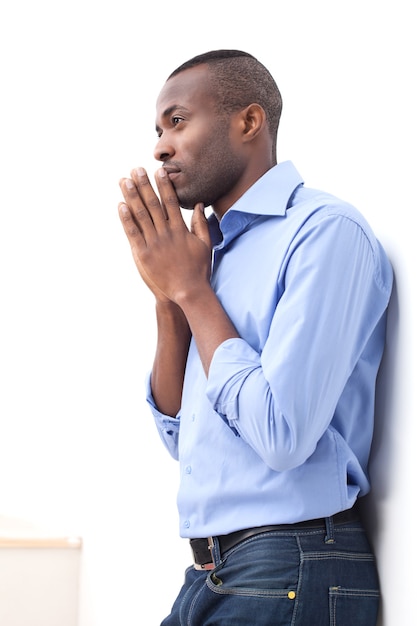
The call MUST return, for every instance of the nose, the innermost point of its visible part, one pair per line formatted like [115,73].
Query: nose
[164,149]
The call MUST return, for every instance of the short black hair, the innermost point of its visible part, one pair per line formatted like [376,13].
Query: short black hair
[239,79]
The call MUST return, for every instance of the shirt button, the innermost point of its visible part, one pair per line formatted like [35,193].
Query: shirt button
[188,469]
[186,524]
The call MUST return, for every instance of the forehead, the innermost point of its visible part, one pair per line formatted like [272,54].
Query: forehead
[189,89]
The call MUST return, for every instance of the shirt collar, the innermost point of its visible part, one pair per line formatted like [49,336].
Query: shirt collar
[269,195]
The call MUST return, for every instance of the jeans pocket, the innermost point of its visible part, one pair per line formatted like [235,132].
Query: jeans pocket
[353,606]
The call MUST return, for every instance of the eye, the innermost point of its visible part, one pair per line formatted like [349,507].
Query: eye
[173,122]
[176,119]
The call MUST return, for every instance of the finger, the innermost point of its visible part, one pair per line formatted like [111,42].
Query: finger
[129,190]
[169,198]
[199,224]
[130,226]
[137,246]
[148,196]
[138,210]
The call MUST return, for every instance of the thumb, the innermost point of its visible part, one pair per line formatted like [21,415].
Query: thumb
[199,224]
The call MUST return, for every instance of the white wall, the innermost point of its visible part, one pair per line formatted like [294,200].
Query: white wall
[78,450]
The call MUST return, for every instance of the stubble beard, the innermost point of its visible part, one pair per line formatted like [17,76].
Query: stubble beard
[219,174]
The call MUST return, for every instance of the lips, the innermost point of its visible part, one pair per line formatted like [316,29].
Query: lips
[171,168]
[173,172]
[173,175]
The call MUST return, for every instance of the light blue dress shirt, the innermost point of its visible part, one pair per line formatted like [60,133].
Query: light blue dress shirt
[281,429]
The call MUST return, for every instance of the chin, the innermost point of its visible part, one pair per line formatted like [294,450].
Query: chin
[186,204]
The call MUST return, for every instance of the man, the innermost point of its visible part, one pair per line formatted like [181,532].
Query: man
[271,323]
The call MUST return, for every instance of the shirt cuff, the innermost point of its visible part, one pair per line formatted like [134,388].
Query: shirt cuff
[233,361]
[168,426]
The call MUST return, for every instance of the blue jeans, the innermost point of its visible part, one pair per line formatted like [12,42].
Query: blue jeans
[307,577]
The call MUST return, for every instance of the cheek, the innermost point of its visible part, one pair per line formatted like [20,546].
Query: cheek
[200,140]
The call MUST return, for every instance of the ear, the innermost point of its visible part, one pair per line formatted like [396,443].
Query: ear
[252,121]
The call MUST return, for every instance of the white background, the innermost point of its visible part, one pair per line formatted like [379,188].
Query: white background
[79,79]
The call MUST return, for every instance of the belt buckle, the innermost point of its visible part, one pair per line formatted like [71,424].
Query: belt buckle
[207,566]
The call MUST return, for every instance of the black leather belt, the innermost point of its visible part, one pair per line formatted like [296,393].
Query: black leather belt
[202,548]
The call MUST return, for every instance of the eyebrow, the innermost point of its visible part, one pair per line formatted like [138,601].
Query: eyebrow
[167,112]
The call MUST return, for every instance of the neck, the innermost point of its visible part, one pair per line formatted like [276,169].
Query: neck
[249,179]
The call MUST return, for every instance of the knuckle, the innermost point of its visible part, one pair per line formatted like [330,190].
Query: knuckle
[154,204]
[132,230]
[171,200]
[141,213]
[143,182]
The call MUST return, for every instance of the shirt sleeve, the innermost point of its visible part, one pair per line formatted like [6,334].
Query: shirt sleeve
[168,427]
[333,294]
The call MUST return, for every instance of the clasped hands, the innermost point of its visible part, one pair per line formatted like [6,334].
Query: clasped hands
[172,259]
